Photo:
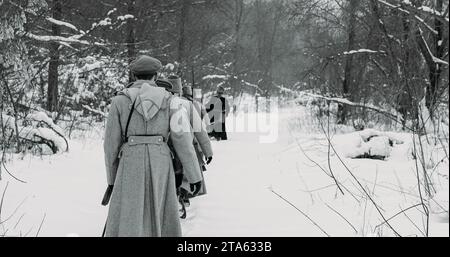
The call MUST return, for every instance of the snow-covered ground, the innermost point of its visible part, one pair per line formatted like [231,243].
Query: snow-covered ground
[254,189]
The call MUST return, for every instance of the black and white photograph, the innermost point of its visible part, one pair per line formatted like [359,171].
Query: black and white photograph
[250,119]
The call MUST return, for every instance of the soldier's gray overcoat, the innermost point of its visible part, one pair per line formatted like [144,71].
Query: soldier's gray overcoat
[144,201]
[201,139]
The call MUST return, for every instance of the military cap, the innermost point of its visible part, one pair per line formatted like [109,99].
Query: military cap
[187,90]
[164,83]
[145,65]
[220,90]
[177,85]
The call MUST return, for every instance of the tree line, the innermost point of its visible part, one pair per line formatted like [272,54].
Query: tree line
[67,58]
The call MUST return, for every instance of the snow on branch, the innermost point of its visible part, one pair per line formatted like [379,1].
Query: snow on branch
[125,17]
[429,10]
[363,51]
[74,39]
[403,8]
[223,77]
[87,108]
[426,51]
[56,39]
[439,61]
[393,6]
[353,104]
[285,89]
[111,11]
[63,23]
[42,117]
[251,85]
[227,77]
[68,40]
[425,10]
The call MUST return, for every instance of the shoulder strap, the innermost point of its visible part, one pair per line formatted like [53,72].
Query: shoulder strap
[125,135]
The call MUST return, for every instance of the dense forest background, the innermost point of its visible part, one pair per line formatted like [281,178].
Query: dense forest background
[68,58]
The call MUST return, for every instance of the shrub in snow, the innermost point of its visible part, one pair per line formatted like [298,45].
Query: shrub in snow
[429,150]
[36,130]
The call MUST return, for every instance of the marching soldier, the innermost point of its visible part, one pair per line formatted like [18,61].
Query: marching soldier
[201,142]
[140,172]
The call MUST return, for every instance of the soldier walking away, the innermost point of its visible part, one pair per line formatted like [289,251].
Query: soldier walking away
[201,143]
[218,109]
[140,173]
[177,165]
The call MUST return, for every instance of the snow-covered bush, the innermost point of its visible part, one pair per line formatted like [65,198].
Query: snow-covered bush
[36,133]
[91,82]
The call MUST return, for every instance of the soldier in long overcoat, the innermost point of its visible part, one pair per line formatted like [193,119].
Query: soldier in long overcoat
[202,143]
[138,160]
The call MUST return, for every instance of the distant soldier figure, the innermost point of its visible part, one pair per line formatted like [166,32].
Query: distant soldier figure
[188,94]
[218,109]
[140,173]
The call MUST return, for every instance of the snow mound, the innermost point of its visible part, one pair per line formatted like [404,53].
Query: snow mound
[42,117]
[369,143]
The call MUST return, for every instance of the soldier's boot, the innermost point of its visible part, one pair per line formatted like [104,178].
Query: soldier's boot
[185,197]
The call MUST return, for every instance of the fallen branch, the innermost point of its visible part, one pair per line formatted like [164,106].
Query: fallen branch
[9,173]
[14,212]
[40,226]
[3,199]
[356,105]
[342,216]
[304,214]
[401,212]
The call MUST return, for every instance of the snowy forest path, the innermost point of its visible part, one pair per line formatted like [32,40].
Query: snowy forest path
[240,201]
[246,183]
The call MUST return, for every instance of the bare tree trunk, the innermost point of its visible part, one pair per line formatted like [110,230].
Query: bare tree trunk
[429,53]
[261,40]
[267,30]
[184,15]
[435,70]
[131,34]
[16,116]
[53,76]
[3,136]
[239,11]
[348,78]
